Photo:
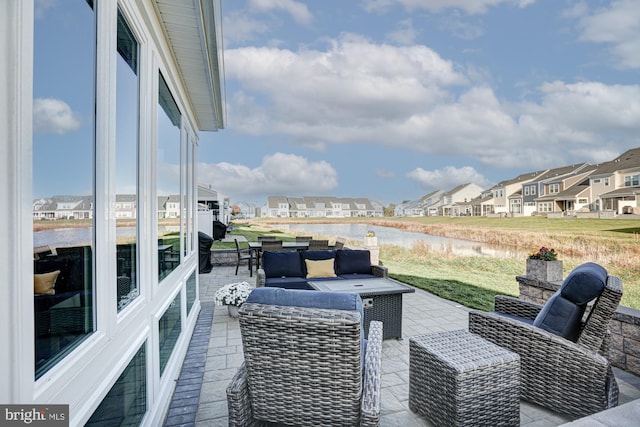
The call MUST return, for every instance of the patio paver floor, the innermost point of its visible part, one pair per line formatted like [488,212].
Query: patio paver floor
[422,313]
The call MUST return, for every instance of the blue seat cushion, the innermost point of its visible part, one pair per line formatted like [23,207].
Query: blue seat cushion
[585,283]
[560,316]
[282,264]
[353,261]
[310,299]
[287,283]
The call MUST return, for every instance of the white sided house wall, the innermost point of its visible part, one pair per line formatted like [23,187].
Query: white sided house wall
[84,376]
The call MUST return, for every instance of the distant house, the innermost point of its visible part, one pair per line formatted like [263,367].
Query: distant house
[558,190]
[454,199]
[503,190]
[614,185]
[318,207]
[63,207]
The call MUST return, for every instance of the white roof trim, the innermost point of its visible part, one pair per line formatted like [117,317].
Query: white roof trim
[191,30]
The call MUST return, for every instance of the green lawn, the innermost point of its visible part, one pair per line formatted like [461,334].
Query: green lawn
[473,281]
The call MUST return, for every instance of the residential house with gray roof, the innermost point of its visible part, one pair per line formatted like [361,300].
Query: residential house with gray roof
[614,185]
[463,193]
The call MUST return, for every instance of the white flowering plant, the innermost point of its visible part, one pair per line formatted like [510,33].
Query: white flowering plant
[233,294]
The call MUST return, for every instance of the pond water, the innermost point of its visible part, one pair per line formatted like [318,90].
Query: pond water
[407,239]
[82,235]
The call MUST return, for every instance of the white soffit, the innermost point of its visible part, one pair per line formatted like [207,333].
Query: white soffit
[191,30]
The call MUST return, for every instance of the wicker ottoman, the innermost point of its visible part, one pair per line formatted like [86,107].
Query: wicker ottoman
[458,378]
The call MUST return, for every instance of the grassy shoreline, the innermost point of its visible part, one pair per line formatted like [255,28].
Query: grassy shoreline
[614,243]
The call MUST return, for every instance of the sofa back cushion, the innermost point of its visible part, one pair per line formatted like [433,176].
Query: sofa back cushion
[563,312]
[353,261]
[282,264]
[560,316]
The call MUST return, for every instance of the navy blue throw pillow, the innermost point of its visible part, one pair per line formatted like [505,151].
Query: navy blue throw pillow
[353,262]
[282,264]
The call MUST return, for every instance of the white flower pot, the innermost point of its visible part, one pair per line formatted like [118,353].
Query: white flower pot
[233,310]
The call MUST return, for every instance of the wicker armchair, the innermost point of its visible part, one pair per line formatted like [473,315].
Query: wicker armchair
[568,377]
[304,365]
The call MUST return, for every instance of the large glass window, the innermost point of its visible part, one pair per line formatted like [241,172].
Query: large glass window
[126,208]
[63,178]
[126,402]
[169,329]
[168,181]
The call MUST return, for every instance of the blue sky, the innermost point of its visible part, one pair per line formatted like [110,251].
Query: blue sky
[385,99]
[392,99]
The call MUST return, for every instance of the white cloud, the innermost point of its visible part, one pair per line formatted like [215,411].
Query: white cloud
[469,6]
[278,174]
[412,99]
[617,25]
[298,11]
[405,35]
[448,177]
[240,27]
[385,173]
[41,7]
[52,115]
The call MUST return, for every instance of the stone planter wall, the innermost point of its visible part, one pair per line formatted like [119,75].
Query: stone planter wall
[548,271]
[624,350]
[225,257]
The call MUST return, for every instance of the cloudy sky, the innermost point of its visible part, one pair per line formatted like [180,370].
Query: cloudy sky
[392,99]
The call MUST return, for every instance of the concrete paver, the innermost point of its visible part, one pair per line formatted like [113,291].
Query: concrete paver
[422,313]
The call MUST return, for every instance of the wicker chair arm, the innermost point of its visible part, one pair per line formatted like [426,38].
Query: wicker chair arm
[380,271]
[261,278]
[370,407]
[239,401]
[516,307]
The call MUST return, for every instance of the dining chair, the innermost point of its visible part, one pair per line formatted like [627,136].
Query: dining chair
[242,255]
[318,245]
[261,238]
[340,241]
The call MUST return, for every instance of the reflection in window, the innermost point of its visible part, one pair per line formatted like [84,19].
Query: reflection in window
[126,402]
[168,165]
[63,171]
[191,291]
[126,164]
[169,329]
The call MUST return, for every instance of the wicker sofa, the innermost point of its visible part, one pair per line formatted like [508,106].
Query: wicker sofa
[291,269]
[306,362]
[563,363]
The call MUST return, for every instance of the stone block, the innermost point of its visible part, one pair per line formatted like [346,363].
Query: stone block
[615,326]
[617,358]
[631,331]
[545,271]
[632,347]
[633,365]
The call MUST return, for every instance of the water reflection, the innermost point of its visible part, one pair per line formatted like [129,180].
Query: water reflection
[407,239]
